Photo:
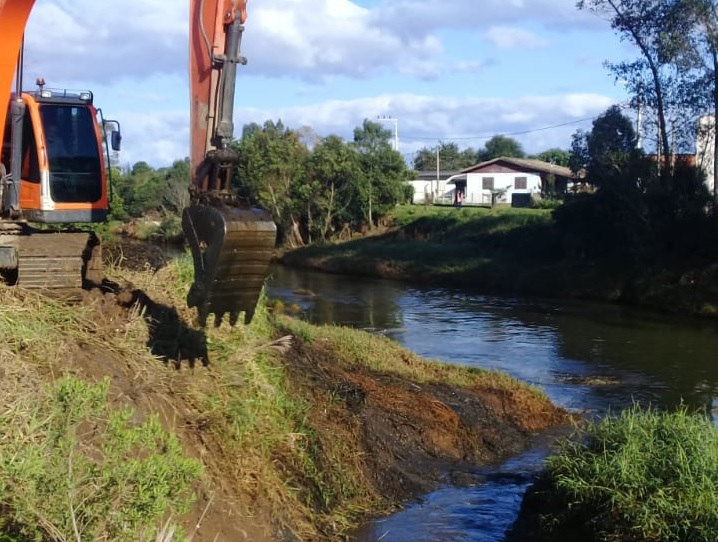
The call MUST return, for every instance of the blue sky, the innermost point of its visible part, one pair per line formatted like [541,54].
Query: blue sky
[456,70]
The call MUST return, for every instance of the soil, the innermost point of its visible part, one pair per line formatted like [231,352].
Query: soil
[408,437]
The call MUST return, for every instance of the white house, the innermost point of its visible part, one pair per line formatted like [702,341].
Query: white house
[705,148]
[506,180]
[431,187]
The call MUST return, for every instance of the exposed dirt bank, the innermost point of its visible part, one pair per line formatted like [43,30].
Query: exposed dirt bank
[402,436]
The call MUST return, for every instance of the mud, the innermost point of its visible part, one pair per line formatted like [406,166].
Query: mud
[413,436]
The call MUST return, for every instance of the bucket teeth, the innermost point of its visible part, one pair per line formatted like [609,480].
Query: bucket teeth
[231,250]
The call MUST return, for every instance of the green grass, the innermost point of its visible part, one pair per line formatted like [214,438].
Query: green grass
[351,347]
[463,247]
[643,475]
[72,468]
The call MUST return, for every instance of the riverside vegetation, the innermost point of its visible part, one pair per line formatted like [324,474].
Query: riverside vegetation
[641,475]
[121,421]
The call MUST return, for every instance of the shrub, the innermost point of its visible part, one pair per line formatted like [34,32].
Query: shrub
[72,468]
[644,475]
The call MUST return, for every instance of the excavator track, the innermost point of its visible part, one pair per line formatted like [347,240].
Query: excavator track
[231,248]
[57,261]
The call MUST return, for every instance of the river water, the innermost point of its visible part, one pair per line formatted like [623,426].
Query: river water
[588,357]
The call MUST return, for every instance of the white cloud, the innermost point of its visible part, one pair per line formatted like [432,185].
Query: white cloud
[538,122]
[414,17]
[101,40]
[424,120]
[507,37]
[158,139]
[134,54]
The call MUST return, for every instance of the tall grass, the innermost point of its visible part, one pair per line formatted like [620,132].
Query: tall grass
[643,475]
[258,430]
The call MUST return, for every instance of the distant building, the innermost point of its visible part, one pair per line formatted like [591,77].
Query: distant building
[507,180]
[705,148]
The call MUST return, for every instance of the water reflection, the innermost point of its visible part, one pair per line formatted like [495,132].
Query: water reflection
[335,299]
[586,356]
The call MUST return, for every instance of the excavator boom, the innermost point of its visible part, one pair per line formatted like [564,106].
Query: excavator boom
[13,18]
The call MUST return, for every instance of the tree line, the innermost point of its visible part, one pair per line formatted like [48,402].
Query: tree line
[450,157]
[316,188]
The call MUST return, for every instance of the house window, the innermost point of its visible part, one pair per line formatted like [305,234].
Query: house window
[487,183]
[521,183]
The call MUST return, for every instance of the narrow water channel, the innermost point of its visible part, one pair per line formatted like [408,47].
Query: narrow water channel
[587,357]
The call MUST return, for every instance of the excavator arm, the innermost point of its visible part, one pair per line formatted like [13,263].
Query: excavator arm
[231,242]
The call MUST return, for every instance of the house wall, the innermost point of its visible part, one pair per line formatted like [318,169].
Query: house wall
[705,145]
[476,194]
[424,187]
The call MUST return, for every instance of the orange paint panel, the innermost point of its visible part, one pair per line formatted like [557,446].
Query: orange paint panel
[29,195]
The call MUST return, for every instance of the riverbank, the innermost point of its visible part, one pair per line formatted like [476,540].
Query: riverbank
[287,431]
[509,252]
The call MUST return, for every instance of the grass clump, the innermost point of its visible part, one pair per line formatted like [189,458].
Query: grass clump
[643,475]
[71,468]
[352,347]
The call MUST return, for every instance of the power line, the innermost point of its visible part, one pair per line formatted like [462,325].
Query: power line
[489,136]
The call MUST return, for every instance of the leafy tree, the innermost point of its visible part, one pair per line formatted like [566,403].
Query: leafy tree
[451,158]
[678,44]
[176,195]
[383,170]
[608,155]
[269,173]
[335,170]
[694,49]
[557,156]
[499,146]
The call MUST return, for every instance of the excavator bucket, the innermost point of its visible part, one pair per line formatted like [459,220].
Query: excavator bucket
[231,249]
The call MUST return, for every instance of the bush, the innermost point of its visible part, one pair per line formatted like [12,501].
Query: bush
[72,468]
[641,476]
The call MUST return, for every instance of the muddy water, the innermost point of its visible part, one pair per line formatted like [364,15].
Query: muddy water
[588,357]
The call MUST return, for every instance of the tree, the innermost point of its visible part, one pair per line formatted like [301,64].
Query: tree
[334,170]
[641,22]
[499,146]
[270,169]
[608,152]
[695,52]
[451,158]
[383,170]
[557,156]
[176,195]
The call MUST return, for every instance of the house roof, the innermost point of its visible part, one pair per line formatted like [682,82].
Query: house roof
[430,175]
[522,164]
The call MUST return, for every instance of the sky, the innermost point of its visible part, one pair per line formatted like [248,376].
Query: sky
[456,71]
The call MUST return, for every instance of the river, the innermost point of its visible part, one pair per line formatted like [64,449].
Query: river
[588,357]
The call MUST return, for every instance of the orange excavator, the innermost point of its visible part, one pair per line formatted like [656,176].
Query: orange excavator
[54,170]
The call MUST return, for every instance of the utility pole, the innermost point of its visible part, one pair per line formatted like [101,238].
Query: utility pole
[438,171]
[385,118]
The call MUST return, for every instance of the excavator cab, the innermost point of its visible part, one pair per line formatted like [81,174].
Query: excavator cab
[54,169]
